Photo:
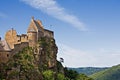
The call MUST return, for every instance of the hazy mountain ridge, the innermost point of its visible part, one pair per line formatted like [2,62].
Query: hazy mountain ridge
[89,70]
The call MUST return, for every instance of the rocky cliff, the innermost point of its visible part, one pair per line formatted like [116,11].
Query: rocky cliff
[31,63]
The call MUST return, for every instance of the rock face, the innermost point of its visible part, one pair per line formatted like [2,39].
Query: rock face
[47,52]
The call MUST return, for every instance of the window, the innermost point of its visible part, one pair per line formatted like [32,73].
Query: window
[7,55]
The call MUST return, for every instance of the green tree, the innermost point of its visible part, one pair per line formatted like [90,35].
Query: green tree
[61,76]
[71,74]
[48,75]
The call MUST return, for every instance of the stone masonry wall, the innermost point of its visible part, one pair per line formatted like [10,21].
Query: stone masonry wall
[4,56]
[19,47]
[11,38]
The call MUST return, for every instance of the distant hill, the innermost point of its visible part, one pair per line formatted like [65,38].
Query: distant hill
[89,70]
[112,73]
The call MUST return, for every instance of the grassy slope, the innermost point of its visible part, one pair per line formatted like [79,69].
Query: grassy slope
[112,73]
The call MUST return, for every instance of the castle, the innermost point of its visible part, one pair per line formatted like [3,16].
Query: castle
[13,43]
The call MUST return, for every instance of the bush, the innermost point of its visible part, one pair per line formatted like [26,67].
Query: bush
[60,77]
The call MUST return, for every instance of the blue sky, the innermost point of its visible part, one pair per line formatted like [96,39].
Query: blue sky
[86,31]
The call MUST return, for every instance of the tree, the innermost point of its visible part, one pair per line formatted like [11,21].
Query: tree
[61,60]
[60,76]
[48,75]
[71,74]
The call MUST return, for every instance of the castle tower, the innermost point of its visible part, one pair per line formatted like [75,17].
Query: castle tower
[32,33]
[36,31]
[11,38]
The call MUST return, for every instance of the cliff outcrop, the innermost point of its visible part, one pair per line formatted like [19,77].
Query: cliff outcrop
[31,63]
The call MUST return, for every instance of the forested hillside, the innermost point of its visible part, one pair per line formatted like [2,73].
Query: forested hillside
[89,70]
[112,73]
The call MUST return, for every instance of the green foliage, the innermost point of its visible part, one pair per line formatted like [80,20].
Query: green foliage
[59,67]
[42,42]
[24,59]
[22,64]
[13,74]
[60,76]
[48,75]
[71,74]
[112,73]
[48,52]
[2,71]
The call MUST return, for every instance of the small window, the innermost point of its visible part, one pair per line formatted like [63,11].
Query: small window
[7,55]
[18,40]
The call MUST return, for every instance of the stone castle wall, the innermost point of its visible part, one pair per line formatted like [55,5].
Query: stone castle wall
[19,47]
[48,33]
[32,38]
[11,38]
[22,38]
[4,56]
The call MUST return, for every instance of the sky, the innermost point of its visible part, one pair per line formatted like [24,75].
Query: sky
[87,32]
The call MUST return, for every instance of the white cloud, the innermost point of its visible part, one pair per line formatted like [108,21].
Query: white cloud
[52,8]
[77,58]
[74,57]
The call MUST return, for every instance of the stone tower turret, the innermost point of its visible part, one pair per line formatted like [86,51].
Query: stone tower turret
[11,38]
[32,33]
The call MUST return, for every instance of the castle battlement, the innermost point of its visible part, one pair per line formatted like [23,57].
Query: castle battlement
[34,32]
